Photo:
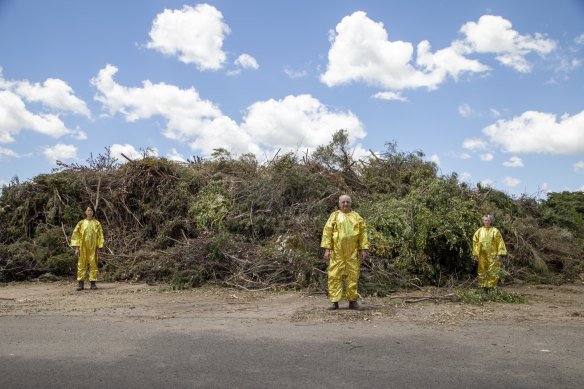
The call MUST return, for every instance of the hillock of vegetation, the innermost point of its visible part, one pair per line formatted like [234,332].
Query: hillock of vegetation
[238,223]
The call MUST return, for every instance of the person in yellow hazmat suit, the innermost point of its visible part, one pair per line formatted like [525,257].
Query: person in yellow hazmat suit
[487,248]
[344,239]
[87,239]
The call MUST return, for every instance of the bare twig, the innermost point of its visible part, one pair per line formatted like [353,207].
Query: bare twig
[417,299]
[97,194]
[66,237]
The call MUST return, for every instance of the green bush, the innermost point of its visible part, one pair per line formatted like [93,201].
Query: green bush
[479,297]
[253,225]
[62,264]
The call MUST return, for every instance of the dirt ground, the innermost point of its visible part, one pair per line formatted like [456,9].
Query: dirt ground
[544,303]
[147,336]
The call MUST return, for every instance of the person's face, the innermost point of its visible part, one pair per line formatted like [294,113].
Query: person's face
[486,222]
[345,204]
[89,213]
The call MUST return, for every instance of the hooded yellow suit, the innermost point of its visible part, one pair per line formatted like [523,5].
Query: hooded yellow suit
[88,236]
[344,234]
[487,243]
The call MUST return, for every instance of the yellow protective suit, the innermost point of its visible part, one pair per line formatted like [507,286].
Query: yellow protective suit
[344,234]
[487,243]
[88,236]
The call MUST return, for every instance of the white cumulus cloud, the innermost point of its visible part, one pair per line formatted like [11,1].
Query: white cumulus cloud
[361,51]
[60,152]
[187,115]
[298,121]
[295,74]
[511,182]
[579,167]
[174,155]
[8,153]
[474,144]
[194,34]
[494,34]
[53,94]
[538,132]
[246,61]
[389,96]
[465,177]
[130,151]
[446,62]
[435,158]
[487,157]
[545,188]
[289,123]
[514,162]
[15,117]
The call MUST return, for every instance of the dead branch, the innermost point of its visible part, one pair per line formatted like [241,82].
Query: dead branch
[66,237]
[129,159]
[417,299]
[97,194]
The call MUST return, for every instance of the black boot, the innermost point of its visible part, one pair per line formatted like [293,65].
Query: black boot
[353,305]
[93,286]
[334,306]
[80,285]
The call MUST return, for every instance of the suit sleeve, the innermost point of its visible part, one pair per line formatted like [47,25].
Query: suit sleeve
[500,244]
[475,243]
[76,237]
[327,232]
[100,238]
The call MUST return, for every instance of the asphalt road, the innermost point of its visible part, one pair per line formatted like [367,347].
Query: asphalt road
[75,351]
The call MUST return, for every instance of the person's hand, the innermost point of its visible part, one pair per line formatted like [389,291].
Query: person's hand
[499,257]
[476,257]
[76,251]
[363,254]
[327,254]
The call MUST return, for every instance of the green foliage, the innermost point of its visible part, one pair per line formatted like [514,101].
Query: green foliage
[380,277]
[18,263]
[62,264]
[500,205]
[428,232]
[394,172]
[479,297]
[72,214]
[270,203]
[211,205]
[51,239]
[335,155]
[565,209]
[216,245]
[240,223]
[189,278]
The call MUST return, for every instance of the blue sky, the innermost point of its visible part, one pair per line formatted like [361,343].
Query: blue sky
[491,90]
